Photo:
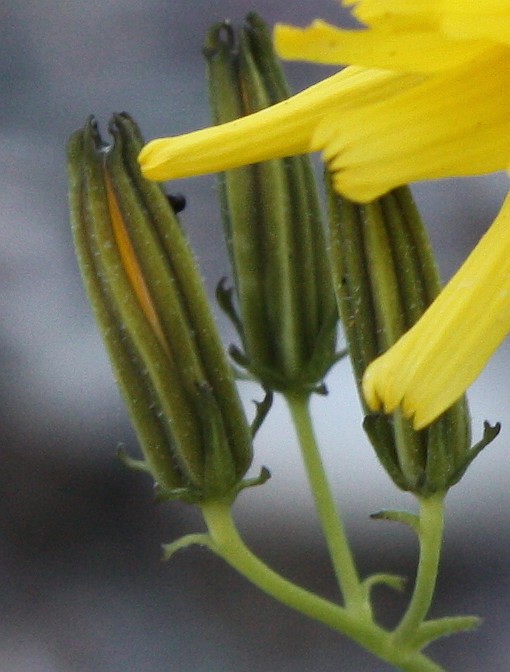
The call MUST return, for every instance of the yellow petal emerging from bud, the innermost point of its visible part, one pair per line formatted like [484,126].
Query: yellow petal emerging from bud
[155,320]
[432,365]
[131,264]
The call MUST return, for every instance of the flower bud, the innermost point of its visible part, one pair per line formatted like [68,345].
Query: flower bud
[385,277]
[287,314]
[154,317]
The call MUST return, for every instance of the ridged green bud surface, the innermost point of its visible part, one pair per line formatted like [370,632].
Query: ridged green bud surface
[284,309]
[155,320]
[385,277]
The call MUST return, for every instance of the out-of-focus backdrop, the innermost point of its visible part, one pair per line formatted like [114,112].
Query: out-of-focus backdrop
[82,587]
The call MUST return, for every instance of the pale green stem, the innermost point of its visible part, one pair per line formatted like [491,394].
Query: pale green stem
[431,527]
[341,556]
[227,543]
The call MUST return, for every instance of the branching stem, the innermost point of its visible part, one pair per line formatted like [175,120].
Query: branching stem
[227,543]
[430,535]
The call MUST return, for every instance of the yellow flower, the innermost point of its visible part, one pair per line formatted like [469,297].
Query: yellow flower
[425,96]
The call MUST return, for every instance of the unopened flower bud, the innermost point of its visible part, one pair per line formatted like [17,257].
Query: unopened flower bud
[385,277]
[154,317]
[287,316]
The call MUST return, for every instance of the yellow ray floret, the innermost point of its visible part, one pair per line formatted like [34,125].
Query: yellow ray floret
[282,130]
[415,11]
[468,19]
[463,19]
[402,48]
[452,124]
[432,365]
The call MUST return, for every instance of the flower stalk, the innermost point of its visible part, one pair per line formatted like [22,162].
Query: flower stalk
[352,590]
[430,534]
[224,539]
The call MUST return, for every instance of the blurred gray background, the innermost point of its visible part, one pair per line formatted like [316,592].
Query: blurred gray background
[82,587]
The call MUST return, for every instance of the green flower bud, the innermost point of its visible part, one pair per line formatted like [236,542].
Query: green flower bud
[283,289]
[385,277]
[155,320]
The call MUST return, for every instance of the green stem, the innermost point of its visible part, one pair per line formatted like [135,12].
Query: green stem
[431,534]
[227,543]
[341,556]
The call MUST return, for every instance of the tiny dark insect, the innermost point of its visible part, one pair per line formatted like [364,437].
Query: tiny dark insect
[177,201]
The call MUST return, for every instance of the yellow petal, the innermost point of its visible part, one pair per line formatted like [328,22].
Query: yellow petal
[433,364]
[489,20]
[273,132]
[131,264]
[370,11]
[461,19]
[282,130]
[401,48]
[452,124]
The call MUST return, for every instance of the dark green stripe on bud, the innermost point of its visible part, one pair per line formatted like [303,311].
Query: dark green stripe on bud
[285,308]
[385,276]
[155,320]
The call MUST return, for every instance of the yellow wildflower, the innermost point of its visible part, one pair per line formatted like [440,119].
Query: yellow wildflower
[425,96]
